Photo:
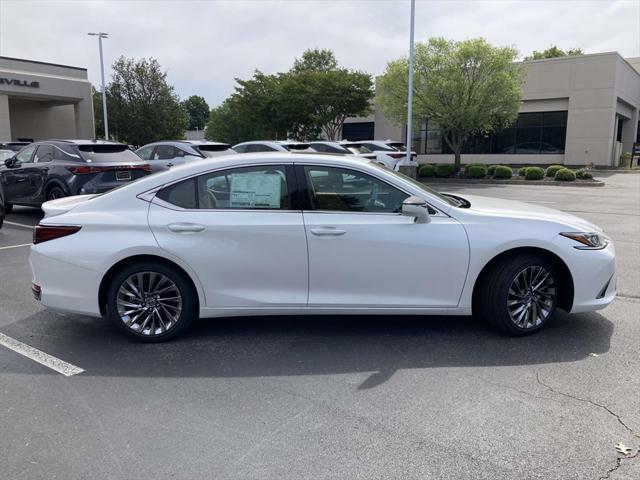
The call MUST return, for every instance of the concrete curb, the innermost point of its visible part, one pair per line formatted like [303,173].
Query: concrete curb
[483,181]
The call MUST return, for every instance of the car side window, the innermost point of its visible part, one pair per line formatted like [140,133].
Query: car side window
[164,152]
[240,148]
[24,156]
[43,154]
[145,153]
[253,188]
[319,147]
[344,190]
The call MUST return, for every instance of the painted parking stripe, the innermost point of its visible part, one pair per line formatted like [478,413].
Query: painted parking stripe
[39,356]
[15,246]
[15,224]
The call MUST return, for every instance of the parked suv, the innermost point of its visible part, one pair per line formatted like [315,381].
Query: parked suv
[272,146]
[166,154]
[52,169]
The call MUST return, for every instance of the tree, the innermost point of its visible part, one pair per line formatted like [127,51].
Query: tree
[313,98]
[466,88]
[197,110]
[553,52]
[98,117]
[142,106]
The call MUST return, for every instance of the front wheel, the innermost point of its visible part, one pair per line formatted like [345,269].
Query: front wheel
[151,302]
[519,295]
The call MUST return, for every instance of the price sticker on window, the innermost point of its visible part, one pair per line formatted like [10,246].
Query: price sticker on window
[253,190]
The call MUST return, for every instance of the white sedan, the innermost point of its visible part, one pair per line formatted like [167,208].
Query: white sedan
[279,234]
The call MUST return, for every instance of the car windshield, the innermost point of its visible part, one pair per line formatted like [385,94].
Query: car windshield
[375,147]
[398,146]
[451,201]
[212,150]
[108,153]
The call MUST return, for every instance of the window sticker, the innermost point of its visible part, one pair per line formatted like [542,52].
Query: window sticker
[249,190]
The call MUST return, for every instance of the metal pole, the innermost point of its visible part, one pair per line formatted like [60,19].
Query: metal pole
[410,93]
[104,91]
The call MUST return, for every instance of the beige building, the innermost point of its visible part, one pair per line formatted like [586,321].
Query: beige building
[575,111]
[43,100]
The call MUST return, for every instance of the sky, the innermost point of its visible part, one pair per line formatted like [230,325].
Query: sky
[204,45]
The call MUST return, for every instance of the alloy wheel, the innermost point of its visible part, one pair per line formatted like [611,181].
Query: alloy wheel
[149,303]
[531,297]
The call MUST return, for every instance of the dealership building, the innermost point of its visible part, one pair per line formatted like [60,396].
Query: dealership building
[44,100]
[577,110]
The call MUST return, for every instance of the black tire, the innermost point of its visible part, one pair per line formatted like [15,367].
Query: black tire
[494,293]
[189,301]
[8,207]
[55,191]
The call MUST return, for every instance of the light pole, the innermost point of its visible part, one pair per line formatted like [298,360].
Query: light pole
[100,36]
[410,93]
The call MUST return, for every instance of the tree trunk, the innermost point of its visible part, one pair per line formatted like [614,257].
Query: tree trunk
[457,159]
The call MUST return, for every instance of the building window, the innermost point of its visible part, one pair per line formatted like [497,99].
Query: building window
[532,133]
[358,131]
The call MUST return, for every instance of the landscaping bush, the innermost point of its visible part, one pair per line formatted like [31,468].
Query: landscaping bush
[502,171]
[522,171]
[534,173]
[552,169]
[584,174]
[491,169]
[426,170]
[565,175]
[445,169]
[476,171]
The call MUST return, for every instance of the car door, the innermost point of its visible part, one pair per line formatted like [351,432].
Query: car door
[364,253]
[239,232]
[15,178]
[37,172]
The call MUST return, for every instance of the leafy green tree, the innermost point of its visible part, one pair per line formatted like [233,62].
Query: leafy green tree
[311,99]
[142,106]
[198,111]
[98,117]
[553,52]
[466,88]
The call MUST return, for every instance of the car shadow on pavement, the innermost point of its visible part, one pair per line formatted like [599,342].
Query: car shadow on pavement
[313,345]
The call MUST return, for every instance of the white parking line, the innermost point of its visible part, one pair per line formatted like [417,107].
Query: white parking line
[39,356]
[14,224]
[15,246]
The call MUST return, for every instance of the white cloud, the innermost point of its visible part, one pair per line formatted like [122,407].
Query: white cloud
[205,44]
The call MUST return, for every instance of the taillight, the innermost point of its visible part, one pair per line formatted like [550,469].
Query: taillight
[397,155]
[43,233]
[86,169]
[146,167]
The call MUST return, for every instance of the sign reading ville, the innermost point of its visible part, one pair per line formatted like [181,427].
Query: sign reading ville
[19,83]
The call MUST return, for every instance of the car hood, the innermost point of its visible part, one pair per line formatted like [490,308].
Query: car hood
[515,209]
[63,205]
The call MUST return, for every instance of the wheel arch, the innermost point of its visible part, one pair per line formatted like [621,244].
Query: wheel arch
[565,300]
[125,262]
[55,182]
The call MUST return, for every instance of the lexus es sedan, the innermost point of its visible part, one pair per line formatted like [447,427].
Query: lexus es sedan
[255,146]
[52,169]
[279,234]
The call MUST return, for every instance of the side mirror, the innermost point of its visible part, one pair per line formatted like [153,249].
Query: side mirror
[10,162]
[417,208]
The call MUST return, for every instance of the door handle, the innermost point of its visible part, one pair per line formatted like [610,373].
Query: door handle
[169,164]
[185,227]
[327,232]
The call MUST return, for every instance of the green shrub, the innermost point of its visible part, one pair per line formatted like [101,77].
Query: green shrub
[491,169]
[552,169]
[522,171]
[502,171]
[565,175]
[426,170]
[534,173]
[476,171]
[584,174]
[445,169]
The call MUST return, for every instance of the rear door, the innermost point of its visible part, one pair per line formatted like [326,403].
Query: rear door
[364,253]
[237,228]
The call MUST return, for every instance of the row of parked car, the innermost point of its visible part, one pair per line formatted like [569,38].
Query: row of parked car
[33,173]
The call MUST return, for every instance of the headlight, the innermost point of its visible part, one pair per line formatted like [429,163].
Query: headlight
[589,240]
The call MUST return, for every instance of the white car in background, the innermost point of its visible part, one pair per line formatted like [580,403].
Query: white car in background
[291,234]
[256,146]
[167,154]
[387,152]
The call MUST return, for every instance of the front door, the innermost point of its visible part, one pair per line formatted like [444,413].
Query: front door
[16,178]
[364,253]
[238,231]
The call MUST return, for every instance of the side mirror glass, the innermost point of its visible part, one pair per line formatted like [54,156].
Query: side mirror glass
[10,162]
[417,208]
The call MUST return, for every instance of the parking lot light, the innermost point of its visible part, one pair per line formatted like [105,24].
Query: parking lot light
[100,36]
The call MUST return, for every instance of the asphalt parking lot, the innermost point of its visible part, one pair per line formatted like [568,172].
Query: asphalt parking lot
[331,397]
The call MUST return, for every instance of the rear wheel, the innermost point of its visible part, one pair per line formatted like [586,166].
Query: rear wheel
[55,192]
[151,302]
[8,207]
[519,295]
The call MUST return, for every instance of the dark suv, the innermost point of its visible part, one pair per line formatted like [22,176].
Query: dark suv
[52,169]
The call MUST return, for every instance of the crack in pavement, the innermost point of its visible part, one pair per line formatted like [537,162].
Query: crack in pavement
[609,411]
